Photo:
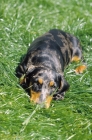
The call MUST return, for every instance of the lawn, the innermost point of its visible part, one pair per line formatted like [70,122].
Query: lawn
[21,21]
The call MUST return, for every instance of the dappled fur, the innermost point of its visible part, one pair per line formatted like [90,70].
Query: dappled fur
[47,58]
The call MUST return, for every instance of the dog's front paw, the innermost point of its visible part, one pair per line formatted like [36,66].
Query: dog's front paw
[59,96]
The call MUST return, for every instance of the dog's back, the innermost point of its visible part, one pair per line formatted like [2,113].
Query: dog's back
[54,50]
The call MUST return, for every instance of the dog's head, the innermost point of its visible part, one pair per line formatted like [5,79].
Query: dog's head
[44,83]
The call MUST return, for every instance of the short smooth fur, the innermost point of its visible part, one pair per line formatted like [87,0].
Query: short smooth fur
[42,69]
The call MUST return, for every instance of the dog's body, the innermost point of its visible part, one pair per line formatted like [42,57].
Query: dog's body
[43,66]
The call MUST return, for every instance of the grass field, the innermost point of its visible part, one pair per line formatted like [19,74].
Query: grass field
[21,22]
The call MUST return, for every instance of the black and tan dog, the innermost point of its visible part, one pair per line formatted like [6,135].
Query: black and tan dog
[41,70]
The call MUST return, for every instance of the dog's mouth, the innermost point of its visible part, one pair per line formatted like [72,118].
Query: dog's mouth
[36,97]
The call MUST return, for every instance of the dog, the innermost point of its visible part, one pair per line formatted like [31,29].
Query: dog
[41,71]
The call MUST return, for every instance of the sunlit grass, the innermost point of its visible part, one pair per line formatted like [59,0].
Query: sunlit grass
[21,22]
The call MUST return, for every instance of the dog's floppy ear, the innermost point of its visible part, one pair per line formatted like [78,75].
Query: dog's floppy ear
[64,86]
[20,70]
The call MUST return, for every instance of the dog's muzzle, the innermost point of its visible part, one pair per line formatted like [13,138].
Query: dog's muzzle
[37,97]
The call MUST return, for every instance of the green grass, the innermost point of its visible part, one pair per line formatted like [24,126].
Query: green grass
[21,22]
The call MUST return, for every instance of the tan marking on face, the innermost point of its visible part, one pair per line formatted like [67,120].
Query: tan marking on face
[75,59]
[34,96]
[80,69]
[48,101]
[40,80]
[51,83]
